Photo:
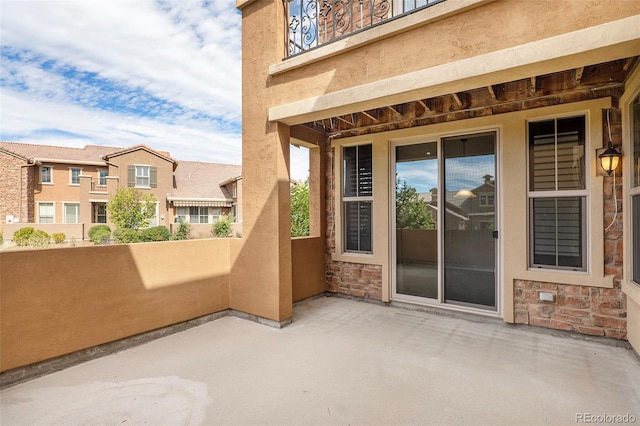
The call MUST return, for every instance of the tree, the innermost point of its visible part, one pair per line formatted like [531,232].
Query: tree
[130,209]
[300,209]
[411,210]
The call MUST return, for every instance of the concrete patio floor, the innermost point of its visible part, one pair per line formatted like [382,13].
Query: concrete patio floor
[340,362]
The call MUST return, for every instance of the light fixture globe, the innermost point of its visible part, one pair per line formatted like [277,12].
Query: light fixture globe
[610,159]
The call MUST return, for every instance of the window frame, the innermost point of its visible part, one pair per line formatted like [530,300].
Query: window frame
[71,176]
[102,180]
[64,212]
[53,214]
[199,214]
[355,199]
[559,194]
[634,193]
[148,176]
[50,181]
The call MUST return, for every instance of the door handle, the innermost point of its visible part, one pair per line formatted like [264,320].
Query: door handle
[495,234]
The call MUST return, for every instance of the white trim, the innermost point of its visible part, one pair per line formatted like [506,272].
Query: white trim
[71,176]
[64,211]
[135,175]
[600,43]
[53,203]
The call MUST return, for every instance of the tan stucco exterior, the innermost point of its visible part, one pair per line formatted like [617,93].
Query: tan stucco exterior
[56,301]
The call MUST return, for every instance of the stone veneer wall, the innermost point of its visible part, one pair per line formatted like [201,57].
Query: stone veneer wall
[588,310]
[13,178]
[353,279]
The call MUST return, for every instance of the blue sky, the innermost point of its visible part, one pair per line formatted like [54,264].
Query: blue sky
[166,74]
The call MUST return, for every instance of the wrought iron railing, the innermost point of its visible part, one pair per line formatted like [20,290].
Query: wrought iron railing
[313,23]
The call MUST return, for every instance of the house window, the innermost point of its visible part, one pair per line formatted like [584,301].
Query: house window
[183,213]
[45,212]
[635,192]
[102,177]
[557,194]
[199,214]
[100,213]
[234,213]
[74,176]
[46,174]
[71,213]
[487,200]
[357,198]
[216,213]
[142,176]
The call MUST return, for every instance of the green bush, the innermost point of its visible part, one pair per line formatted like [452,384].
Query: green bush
[39,238]
[58,237]
[222,228]
[101,236]
[21,236]
[155,233]
[98,228]
[126,235]
[183,231]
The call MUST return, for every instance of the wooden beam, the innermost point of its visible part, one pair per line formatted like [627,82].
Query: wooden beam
[345,121]
[423,105]
[394,110]
[578,74]
[491,92]
[456,98]
[533,83]
[366,114]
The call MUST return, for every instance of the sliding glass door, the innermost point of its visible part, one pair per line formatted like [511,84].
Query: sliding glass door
[445,221]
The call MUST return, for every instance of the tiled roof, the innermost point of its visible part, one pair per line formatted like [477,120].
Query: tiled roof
[88,153]
[196,179]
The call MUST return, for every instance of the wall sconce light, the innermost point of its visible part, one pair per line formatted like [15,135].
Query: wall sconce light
[610,159]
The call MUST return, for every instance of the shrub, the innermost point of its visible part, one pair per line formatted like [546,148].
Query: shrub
[21,236]
[183,231]
[101,236]
[98,228]
[39,238]
[58,237]
[155,233]
[222,228]
[126,235]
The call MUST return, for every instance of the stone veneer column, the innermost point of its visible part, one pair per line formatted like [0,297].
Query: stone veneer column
[260,282]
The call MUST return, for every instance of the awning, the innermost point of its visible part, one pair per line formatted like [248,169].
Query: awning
[187,203]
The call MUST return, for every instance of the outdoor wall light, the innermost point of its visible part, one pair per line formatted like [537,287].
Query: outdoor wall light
[610,159]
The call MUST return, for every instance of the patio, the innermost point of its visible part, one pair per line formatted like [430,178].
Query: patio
[340,362]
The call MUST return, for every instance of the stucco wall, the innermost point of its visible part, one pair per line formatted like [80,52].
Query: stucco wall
[307,267]
[56,301]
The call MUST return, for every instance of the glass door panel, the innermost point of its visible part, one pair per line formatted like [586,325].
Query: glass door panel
[469,220]
[416,183]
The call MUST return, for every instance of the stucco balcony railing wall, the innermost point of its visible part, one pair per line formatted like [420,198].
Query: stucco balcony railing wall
[313,23]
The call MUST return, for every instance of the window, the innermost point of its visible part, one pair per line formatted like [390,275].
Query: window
[183,212]
[216,212]
[487,200]
[635,191]
[74,176]
[199,214]
[46,174]
[357,198]
[71,213]
[234,213]
[100,213]
[45,212]
[142,176]
[102,177]
[557,193]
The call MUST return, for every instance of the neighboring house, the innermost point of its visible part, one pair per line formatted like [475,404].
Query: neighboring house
[52,185]
[510,100]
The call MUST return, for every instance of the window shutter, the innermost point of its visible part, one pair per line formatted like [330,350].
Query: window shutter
[153,177]
[131,175]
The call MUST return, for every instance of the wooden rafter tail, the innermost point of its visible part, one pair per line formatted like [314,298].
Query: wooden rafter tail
[457,99]
[578,74]
[533,83]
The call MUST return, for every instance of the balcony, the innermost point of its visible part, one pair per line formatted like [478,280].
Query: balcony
[339,362]
[313,23]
